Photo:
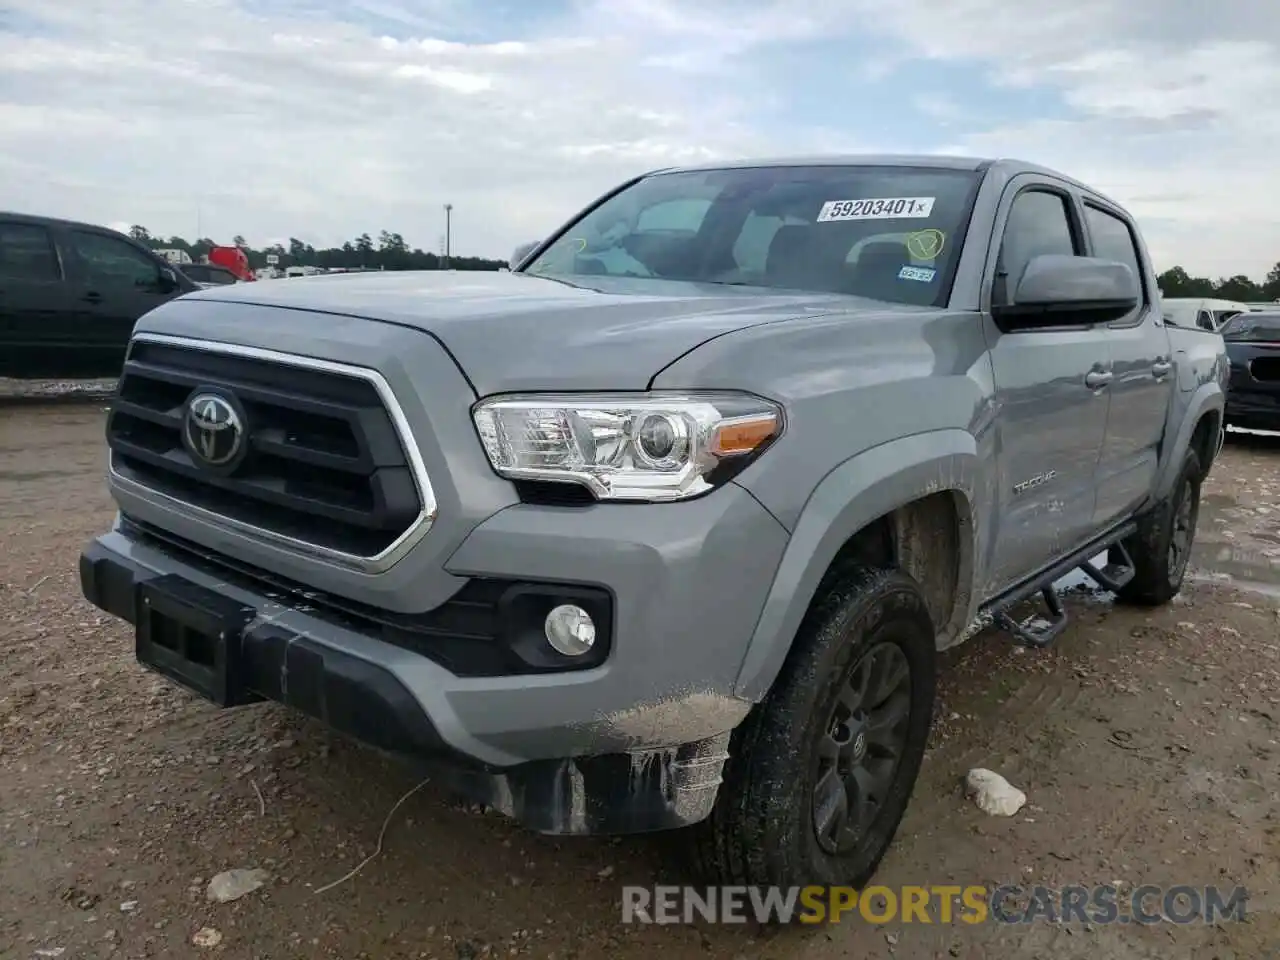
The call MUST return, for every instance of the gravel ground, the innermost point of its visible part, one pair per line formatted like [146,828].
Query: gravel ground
[1146,742]
[45,392]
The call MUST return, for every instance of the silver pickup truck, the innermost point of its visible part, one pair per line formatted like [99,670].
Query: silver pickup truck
[664,527]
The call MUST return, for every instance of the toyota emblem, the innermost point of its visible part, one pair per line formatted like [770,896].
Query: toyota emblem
[213,431]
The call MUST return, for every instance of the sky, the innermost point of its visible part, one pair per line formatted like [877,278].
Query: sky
[321,120]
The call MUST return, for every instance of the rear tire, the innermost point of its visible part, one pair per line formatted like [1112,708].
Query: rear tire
[1162,546]
[842,731]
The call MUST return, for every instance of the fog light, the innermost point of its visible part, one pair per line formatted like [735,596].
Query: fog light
[570,630]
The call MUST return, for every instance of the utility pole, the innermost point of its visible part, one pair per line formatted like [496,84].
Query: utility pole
[448,213]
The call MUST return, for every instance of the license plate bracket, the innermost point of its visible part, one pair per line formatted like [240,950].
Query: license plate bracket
[192,635]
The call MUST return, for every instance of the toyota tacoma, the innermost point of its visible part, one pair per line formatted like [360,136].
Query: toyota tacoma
[665,527]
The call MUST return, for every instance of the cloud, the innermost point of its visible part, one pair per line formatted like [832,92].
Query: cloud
[1171,108]
[324,120]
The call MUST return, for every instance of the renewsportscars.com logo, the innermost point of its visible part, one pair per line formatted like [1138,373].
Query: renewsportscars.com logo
[942,904]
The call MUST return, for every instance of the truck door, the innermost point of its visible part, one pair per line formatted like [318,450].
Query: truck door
[37,314]
[117,283]
[1051,400]
[1142,371]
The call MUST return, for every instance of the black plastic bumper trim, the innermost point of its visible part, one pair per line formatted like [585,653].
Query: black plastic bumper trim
[624,793]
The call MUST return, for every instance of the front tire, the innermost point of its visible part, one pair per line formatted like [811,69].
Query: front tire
[820,774]
[1161,549]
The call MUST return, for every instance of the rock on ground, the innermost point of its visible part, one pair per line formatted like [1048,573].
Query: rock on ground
[993,793]
[234,884]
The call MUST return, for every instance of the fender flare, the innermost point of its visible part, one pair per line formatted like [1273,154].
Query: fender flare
[1208,398]
[858,491]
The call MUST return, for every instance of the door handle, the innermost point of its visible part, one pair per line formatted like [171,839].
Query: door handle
[1161,368]
[92,297]
[1095,379]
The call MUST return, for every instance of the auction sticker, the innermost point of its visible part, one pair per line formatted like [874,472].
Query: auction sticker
[922,274]
[884,208]
[926,244]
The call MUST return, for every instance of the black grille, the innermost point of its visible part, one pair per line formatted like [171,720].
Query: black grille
[325,464]
[1266,369]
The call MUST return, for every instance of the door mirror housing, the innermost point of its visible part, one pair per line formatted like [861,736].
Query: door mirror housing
[1060,290]
[168,280]
[521,252]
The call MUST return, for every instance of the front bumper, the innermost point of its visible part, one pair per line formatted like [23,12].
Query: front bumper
[634,744]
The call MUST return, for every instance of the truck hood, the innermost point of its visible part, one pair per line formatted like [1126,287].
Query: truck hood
[512,331]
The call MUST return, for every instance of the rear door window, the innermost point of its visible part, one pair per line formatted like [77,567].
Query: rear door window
[27,253]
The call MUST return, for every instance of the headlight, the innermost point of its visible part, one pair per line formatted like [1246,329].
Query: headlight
[628,447]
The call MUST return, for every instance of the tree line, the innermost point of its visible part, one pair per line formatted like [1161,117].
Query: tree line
[1176,282]
[388,252]
[391,252]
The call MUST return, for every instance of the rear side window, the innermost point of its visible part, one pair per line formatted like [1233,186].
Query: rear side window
[26,253]
[1113,240]
[1039,223]
[112,262]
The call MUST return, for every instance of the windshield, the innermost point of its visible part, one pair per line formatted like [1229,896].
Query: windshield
[202,273]
[1222,316]
[891,233]
[1252,327]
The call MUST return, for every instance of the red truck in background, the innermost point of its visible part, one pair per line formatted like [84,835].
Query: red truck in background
[235,260]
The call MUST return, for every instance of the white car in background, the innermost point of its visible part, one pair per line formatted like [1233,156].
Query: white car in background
[1205,313]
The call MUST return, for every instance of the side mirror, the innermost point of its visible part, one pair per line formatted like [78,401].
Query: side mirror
[1057,290]
[168,280]
[521,252]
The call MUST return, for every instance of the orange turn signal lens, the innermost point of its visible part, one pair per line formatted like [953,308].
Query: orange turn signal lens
[743,435]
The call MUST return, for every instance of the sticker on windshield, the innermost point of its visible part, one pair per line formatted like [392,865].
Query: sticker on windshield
[568,245]
[926,244]
[888,208]
[923,274]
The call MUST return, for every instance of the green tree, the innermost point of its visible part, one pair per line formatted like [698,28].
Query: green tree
[391,252]
[364,250]
[200,249]
[1176,282]
[1238,287]
[1271,286]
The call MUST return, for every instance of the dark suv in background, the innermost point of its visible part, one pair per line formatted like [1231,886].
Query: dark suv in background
[1253,344]
[70,294]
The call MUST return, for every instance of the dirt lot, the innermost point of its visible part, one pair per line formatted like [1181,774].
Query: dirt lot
[1145,741]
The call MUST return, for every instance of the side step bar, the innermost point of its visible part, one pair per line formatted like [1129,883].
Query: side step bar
[1117,572]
